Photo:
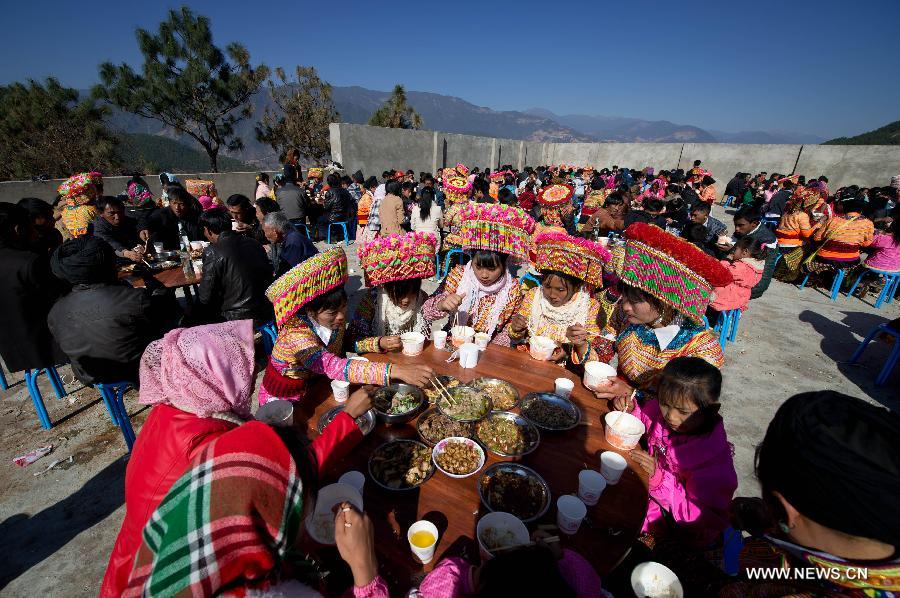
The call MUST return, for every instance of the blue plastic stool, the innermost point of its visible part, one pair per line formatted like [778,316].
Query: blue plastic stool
[892,358]
[835,286]
[31,382]
[728,201]
[733,323]
[723,325]
[891,280]
[770,223]
[269,335]
[305,229]
[343,225]
[4,385]
[529,277]
[113,395]
[450,254]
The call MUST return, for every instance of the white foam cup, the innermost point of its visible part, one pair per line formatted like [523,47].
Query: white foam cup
[612,465]
[423,555]
[439,338]
[570,512]
[563,387]
[341,390]
[590,486]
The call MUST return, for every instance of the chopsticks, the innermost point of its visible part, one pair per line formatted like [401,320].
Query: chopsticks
[443,390]
[549,540]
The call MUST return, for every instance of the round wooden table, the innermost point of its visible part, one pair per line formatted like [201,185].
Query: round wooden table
[171,278]
[453,505]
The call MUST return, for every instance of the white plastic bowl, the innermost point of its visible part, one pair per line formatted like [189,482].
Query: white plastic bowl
[623,430]
[654,580]
[320,524]
[440,446]
[597,373]
[501,522]
[541,347]
[413,343]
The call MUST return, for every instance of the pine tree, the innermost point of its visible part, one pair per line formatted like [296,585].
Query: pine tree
[396,113]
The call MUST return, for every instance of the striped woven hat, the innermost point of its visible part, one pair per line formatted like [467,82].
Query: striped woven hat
[398,257]
[307,280]
[671,269]
[576,257]
[496,227]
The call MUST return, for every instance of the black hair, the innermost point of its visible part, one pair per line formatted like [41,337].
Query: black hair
[654,205]
[180,194]
[345,180]
[482,258]
[851,205]
[425,201]
[108,200]
[386,174]
[708,180]
[36,207]
[290,174]
[410,171]
[333,300]
[527,571]
[398,289]
[573,283]
[702,207]
[695,233]
[823,178]
[11,216]
[407,186]
[693,379]
[238,200]
[748,213]
[217,221]
[371,183]
[392,188]
[697,163]
[481,185]
[597,184]
[267,205]
[754,247]
[788,184]
[262,178]
[636,295]
[615,198]
[333,180]
[506,197]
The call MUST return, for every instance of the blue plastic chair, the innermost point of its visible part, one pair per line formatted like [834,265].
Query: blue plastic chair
[343,225]
[893,357]
[529,277]
[891,280]
[269,336]
[462,256]
[31,382]
[305,228]
[770,223]
[113,395]
[835,286]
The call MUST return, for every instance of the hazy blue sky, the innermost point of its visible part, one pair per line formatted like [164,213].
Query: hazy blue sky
[823,67]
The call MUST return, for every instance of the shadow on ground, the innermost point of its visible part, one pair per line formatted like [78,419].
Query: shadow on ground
[841,338]
[28,540]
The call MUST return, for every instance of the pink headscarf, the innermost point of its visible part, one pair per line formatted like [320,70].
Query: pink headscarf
[202,370]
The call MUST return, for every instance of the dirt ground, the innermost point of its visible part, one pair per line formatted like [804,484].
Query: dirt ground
[58,526]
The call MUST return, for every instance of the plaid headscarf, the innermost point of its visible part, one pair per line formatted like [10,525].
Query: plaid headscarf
[227,523]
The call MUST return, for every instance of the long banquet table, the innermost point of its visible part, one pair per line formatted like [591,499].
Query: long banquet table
[453,505]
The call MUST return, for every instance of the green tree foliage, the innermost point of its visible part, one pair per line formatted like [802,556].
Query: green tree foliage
[396,113]
[886,135]
[46,130]
[153,153]
[187,83]
[303,110]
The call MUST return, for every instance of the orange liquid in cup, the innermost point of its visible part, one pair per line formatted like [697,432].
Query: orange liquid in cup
[422,539]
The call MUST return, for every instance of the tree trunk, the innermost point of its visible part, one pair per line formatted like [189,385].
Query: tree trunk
[213,153]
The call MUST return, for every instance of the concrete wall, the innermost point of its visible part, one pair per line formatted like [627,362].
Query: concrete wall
[725,160]
[375,149]
[870,165]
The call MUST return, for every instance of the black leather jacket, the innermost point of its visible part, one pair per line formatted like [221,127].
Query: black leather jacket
[337,204]
[236,274]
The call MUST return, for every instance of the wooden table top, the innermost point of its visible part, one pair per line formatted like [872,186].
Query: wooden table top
[453,505]
[171,278]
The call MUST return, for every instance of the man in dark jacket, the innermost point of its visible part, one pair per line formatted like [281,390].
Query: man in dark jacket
[103,325]
[27,292]
[287,247]
[118,230]
[776,206]
[293,200]
[714,228]
[236,274]
[180,219]
[243,218]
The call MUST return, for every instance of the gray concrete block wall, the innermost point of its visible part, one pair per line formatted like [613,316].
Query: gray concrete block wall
[725,160]
[376,149]
[843,164]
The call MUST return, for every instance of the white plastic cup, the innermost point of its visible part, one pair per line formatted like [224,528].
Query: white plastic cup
[623,430]
[354,478]
[481,340]
[564,387]
[157,248]
[612,466]
[597,373]
[413,343]
[278,413]
[439,338]
[468,355]
[198,267]
[570,512]
[196,245]
[341,390]
[591,485]
[423,555]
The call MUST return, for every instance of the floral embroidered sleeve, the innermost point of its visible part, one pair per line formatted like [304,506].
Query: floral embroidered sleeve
[362,340]
[448,287]
[599,349]
[524,311]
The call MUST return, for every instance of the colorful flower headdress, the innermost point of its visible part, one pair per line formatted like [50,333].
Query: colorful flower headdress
[576,257]
[314,173]
[671,269]
[555,195]
[80,188]
[495,227]
[307,280]
[457,189]
[398,257]
[200,187]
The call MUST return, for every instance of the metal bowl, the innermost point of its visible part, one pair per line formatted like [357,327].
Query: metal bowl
[548,397]
[165,265]
[432,391]
[530,433]
[377,453]
[366,421]
[484,484]
[489,385]
[431,441]
[464,393]
[389,392]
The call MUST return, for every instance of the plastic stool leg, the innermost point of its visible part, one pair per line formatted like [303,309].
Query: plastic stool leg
[108,402]
[855,284]
[805,280]
[735,322]
[889,364]
[36,398]
[346,234]
[56,382]
[836,285]
[865,342]
[4,385]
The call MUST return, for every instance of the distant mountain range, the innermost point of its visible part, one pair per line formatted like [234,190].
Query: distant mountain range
[886,135]
[454,115]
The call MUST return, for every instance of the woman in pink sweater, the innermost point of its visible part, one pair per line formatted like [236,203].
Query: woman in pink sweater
[689,459]
[748,260]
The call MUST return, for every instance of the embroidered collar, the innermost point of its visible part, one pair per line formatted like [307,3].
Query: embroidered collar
[647,336]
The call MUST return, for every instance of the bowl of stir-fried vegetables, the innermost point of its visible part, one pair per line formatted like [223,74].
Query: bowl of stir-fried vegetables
[398,403]
[507,434]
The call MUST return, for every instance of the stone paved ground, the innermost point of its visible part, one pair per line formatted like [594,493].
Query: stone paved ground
[57,528]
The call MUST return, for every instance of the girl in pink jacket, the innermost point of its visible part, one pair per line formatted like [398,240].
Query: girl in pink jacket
[688,457]
[746,266]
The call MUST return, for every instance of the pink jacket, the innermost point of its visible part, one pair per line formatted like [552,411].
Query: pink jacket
[746,274]
[694,480]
